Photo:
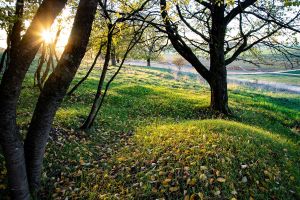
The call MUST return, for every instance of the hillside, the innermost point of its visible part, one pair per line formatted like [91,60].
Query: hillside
[156,138]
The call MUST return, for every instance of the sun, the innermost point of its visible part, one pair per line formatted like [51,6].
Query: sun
[47,36]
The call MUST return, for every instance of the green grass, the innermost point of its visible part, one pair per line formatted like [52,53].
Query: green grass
[156,138]
[276,78]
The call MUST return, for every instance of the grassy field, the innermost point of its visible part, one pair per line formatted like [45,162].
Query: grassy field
[156,138]
[275,78]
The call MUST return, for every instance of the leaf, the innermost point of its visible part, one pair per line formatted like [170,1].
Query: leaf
[174,189]
[221,179]
[191,182]
[217,192]
[203,177]
[244,179]
[166,182]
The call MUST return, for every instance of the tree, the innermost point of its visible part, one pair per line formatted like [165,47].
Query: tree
[23,176]
[13,29]
[113,19]
[223,30]
[55,89]
[10,89]
[151,46]
[179,62]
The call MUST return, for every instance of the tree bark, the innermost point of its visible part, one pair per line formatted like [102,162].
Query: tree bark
[2,62]
[15,36]
[97,100]
[55,89]
[39,68]
[219,94]
[10,89]
[113,56]
[218,84]
[148,62]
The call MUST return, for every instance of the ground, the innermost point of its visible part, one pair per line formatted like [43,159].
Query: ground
[156,138]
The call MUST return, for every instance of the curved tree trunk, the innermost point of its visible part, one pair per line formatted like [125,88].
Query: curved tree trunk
[10,89]
[2,61]
[38,73]
[15,36]
[87,74]
[97,100]
[55,89]
[113,56]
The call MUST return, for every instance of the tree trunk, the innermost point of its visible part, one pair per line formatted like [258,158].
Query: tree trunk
[88,73]
[15,36]
[113,56]
[93,113]
[148,62]
[39,68]
[219,94]
[2,62]
[55,89]
[48,67]
[218,82]
[10,89]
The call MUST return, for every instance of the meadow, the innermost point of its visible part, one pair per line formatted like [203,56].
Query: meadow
[156,138]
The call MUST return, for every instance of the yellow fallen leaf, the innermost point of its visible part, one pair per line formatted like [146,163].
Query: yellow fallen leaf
[221,180]
[203,177]
[191,182]
[217,192]
[187,197]
[121,159]
[166,181]
[173,189]
[201,195]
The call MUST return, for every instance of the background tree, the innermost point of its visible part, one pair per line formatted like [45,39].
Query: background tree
[13,24]
[122,12]
[223,30]
[152,46]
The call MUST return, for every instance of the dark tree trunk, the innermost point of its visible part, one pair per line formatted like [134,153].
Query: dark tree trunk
[15,36]
[113,56]
[55,89]
[38,73]
[93,113]
[219,94]
[148,62]
[87,74]
[14,33]
[2,62]
[218,82]
[9,94]
[48,66]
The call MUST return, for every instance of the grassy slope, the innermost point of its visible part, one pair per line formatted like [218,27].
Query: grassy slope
[148,142]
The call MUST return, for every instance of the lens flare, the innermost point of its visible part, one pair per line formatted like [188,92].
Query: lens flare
[47,36]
